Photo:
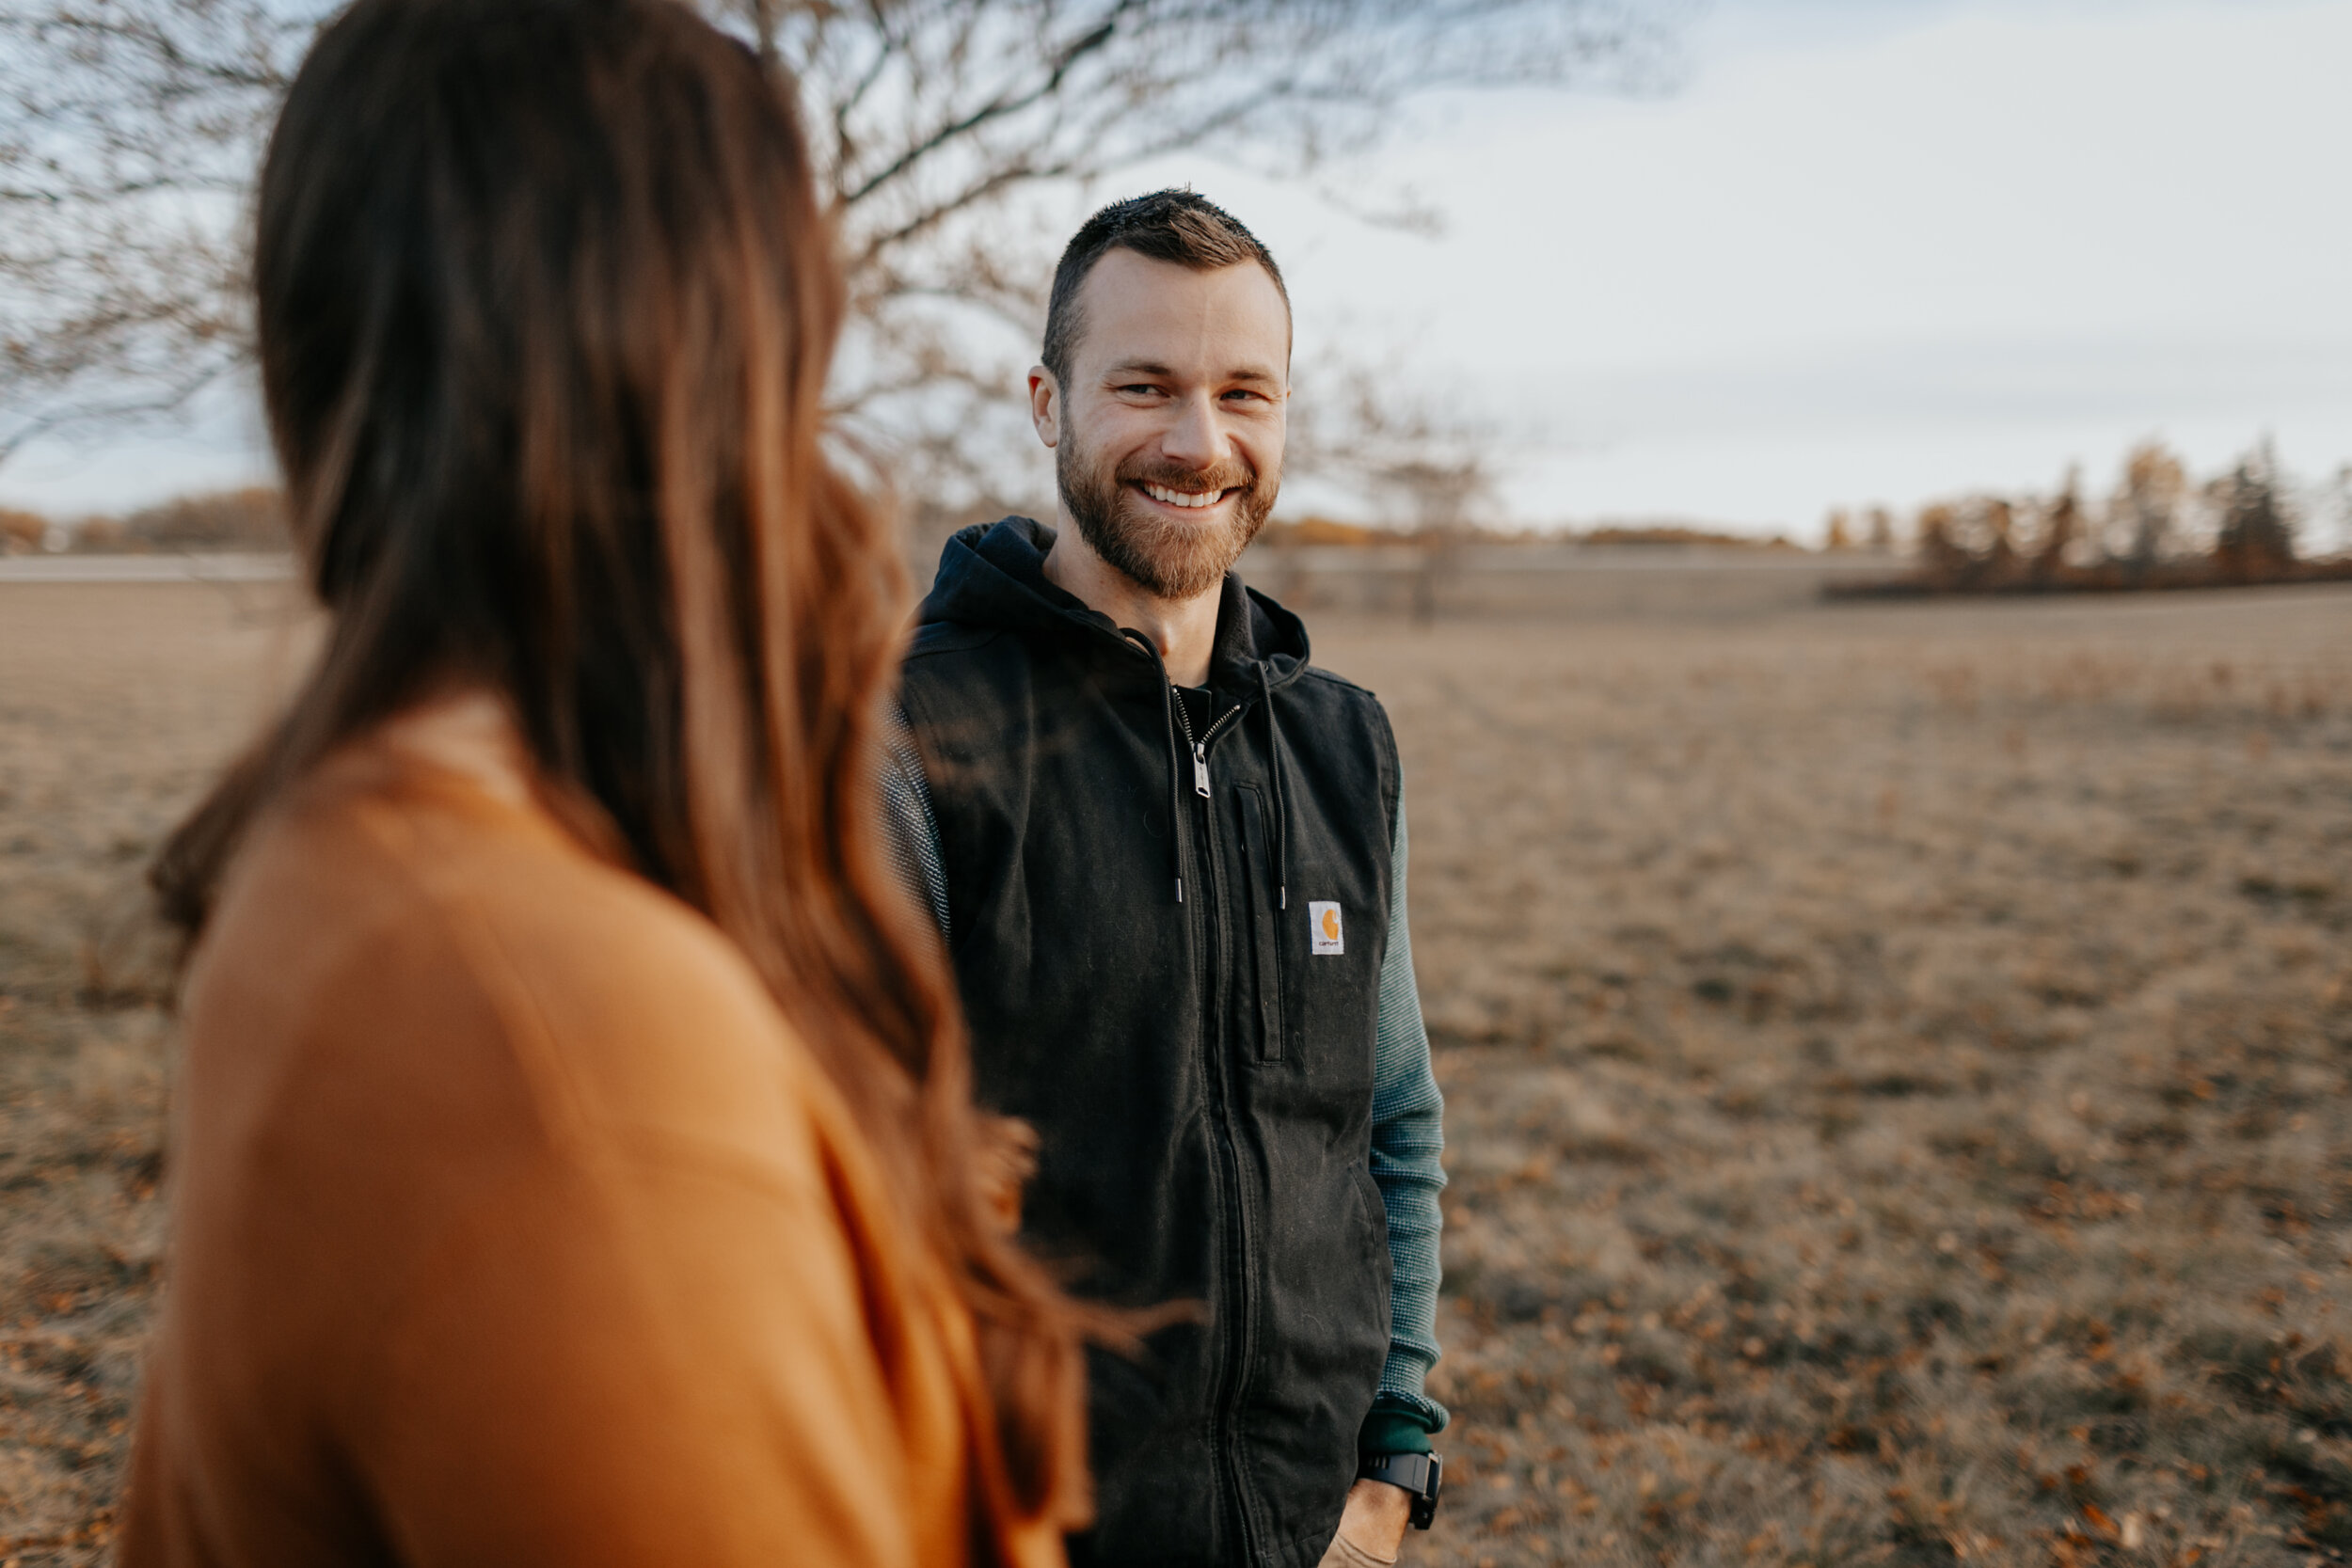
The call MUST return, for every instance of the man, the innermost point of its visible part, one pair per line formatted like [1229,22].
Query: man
[1168,857]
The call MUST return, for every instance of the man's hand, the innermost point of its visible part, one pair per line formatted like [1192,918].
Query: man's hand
[1372,1527]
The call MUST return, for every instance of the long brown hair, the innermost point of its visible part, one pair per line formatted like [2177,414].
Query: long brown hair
[546,307]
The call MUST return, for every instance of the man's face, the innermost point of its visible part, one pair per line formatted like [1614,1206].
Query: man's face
[1167,442]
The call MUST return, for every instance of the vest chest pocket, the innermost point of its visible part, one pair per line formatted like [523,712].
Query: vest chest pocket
[1262,892]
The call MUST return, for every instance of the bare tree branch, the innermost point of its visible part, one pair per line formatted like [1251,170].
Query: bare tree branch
[950,133]
[999,108]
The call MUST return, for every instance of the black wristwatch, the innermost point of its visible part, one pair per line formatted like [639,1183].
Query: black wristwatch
[1418,1473]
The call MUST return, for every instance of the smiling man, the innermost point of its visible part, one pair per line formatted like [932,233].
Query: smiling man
[1168,856]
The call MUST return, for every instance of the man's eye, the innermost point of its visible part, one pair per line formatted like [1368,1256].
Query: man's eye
[1245,392]
[1140,389]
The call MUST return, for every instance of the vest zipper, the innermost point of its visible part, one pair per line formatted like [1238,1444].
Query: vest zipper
[1232,1373]
[1200,748]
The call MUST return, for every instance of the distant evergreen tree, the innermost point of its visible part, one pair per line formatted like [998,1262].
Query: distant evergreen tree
[2257,534]
[1942,557]
[2061,525]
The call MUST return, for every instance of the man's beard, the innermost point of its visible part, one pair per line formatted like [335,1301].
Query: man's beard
[1165,556]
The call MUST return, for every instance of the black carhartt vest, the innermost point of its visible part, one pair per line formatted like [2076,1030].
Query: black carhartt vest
[1199,1072]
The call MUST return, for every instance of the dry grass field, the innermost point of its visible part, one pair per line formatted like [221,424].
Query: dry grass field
[1897,1064]
[116,702]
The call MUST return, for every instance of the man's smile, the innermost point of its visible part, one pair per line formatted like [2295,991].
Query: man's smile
[1188,501]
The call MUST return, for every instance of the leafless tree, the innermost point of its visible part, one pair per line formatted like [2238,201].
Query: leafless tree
[21,533]
[127,139]
[952,134]
[2335,501]
[2144,520]
[1427,465]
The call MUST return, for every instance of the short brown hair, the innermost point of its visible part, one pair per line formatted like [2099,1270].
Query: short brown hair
[1167,226]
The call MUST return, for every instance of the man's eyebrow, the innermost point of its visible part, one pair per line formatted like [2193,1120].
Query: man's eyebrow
[1152,367]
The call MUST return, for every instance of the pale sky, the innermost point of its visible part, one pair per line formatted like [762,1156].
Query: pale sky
[1884,251]
[1866,250]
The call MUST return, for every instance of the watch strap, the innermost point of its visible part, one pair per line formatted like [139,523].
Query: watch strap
[1421,1475]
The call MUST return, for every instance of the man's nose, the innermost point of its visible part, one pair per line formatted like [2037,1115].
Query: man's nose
[1193,437]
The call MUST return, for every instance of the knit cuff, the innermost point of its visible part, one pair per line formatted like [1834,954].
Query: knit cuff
[1400,1425]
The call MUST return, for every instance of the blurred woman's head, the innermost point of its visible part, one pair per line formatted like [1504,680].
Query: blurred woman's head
[546,300]
[545,304]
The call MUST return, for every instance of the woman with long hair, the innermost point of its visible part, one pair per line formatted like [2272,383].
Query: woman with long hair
[575,1160]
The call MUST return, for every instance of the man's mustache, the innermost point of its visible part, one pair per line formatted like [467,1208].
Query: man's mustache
[1175,476]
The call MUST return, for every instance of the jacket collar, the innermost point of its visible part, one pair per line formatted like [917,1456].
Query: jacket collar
[992,575]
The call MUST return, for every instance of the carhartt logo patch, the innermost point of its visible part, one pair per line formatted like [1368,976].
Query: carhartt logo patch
[1323,924]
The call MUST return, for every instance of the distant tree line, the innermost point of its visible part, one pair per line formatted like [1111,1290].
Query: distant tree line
[1315,529]
[2158,529]
[253,519]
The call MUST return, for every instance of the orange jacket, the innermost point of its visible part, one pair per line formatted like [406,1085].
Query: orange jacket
[512,1225]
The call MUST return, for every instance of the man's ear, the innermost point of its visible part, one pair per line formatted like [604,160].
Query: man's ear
[1045,405]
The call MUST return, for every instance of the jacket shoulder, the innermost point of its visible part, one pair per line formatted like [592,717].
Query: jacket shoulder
[933,638]
[1337,682]
[958,667]
[1341,704]
[964,690]
[1358,703]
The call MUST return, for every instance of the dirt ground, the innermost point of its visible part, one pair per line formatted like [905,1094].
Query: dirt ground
[1895,1064]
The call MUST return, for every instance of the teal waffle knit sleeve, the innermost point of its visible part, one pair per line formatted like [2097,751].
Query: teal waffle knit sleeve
[1407,1145]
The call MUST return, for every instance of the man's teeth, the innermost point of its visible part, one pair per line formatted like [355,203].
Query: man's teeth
[1183,497]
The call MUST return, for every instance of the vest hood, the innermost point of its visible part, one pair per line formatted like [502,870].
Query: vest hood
[992,575]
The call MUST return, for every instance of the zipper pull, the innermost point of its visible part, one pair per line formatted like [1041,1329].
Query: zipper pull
[1200,769]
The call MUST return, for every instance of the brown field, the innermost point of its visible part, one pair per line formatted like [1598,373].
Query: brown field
[1897,1063]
